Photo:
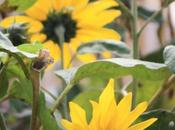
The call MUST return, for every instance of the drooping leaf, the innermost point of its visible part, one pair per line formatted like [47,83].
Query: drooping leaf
[116,67]
[6,44]
[166,120]
[169,57]
[21,4]
[102,46]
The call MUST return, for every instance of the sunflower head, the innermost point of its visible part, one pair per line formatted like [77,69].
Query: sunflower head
[56,19]
[17,33]
[107,114]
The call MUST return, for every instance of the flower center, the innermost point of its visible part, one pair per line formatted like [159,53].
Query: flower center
[17,33]
[55,20]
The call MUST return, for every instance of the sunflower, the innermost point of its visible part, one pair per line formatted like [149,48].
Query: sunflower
[107,115]
[83,22]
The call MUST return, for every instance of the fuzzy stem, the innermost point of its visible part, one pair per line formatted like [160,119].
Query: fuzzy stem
[134,11]
[60,97]
[35,77]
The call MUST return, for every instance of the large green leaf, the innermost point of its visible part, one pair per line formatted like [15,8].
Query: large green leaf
[103,46]
[166,120]
[21,4]
[6,45]
[114,68]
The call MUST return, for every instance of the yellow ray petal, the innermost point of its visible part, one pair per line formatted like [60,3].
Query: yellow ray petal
[67,56]
[34,25]
[122,110]
[107,105]
[134,115]
[38,37]
[66,124]
[79,4]
[54,50]
[86,58]
[143,125]
[78,115]
[100,19]
[58,4]
[92,34]
[40,9]
[93,9]
[106,55]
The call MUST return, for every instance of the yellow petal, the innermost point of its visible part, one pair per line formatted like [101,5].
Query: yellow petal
[92,34]
[93,9]
[34,25]
[53,49]
[58,4]
[100,19]
[122,110]
[78,115]
[78,4]
[143,125]
[106,55]
[40,9]
[67,56]
[85,58]
[134,115]
[107,105]
[38,37]
[66,124]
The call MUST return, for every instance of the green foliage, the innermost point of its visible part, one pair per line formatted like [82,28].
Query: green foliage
[167,2]
[166,120]
[118,48]
[115,68]
[21,4]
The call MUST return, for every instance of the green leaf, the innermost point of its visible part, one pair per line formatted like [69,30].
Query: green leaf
[166,120]
[21,4]
[103,46]
[31,48]
[114,68]
[7,45]
[169,57]
[47,120]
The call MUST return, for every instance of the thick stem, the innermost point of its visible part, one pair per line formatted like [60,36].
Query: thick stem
[135,46]
[35,77]
[2,123]
[60,97]
[167,84]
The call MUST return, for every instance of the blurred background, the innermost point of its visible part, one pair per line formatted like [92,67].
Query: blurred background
[159,33]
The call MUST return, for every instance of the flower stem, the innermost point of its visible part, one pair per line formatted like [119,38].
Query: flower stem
[2,123]
[61,96]
[167,85]
[134,11]
[173,109]
[35,77]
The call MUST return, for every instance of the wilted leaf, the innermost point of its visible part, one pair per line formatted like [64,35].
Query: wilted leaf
[114,68]
[6,44]
[103,46]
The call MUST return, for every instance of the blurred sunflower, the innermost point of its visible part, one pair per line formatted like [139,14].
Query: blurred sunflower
[83,21]
[107,115]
